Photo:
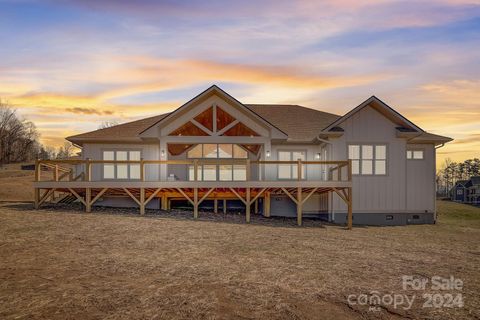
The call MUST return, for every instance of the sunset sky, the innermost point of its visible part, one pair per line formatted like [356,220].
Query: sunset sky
[69,65]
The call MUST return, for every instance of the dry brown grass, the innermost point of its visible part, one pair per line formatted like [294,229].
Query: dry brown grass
[61,264]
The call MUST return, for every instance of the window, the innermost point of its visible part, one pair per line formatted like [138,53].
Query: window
[121,171]
[368,159]
[290,171]
[214,172]
[459,192]
[415,154]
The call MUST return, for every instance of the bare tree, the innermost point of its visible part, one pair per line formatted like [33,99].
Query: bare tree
[18,137]
[65,151]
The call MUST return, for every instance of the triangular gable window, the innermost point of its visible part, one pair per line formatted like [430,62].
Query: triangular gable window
[188,129]
[203,125]
[223,119]
[206,118]
[240,130]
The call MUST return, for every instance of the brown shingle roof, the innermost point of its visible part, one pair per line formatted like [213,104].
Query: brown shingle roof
[122,131]
[298,122]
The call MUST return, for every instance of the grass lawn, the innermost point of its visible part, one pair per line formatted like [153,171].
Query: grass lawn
[64,264]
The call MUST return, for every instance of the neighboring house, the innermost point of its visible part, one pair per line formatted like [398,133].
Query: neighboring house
[458,192]
[283,160]
[473,190]
[466,191]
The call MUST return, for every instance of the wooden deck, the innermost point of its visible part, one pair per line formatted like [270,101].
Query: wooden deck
[142,192]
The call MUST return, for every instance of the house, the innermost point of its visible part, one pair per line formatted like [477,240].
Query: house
[473,190]
[458,192]
[371,166]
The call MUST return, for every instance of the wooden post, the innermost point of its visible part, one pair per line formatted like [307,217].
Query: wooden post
[164,201]
[224,206]
[247,205]
[142,201]
[255,206]
[299,169]
[215,206]
[350,215]
[349,169]
[55,178]
[195,170]
[169,204]
[195,203]
[70,175]
[247,170]
[37,198]
[38,170]
[299,206]
[142,170]
[266,204]
[88,170]
[88,199]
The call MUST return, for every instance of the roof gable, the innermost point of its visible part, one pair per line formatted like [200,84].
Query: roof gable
[183,111]
[383,109]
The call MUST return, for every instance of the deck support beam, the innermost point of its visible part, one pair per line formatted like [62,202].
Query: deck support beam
[142,201]
[350,214]
[98,196]
[215,205]
[195,203]
[164,202]
[266,204]
[299,206]
[37,198]
[224,206]
[248,204]
[88,200]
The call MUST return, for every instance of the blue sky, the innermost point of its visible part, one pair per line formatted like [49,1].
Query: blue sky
[68,65]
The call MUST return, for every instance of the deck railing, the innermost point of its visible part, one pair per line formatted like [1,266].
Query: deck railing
[65,170]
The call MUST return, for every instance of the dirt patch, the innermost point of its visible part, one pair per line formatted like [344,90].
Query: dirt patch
[61,264]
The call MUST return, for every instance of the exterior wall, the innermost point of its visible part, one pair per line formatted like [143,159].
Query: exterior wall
[420,185]
[313,172]
[94,151]
[454,196]
[283,206]
[408,186]
[372,194]
[380,219]
[125,202]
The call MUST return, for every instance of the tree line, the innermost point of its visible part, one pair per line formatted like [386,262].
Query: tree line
[19,139]
[454,171]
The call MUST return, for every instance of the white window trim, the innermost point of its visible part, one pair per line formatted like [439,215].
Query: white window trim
[412,150]
[361,144]
[304,167]
[217,173]
[115,150]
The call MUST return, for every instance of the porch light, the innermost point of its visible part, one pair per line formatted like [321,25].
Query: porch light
[317,156]
[268,154]
[163,153]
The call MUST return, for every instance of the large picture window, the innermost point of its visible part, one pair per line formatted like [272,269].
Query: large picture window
[368,159]
[121,171]
[290,171]
[217,172]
